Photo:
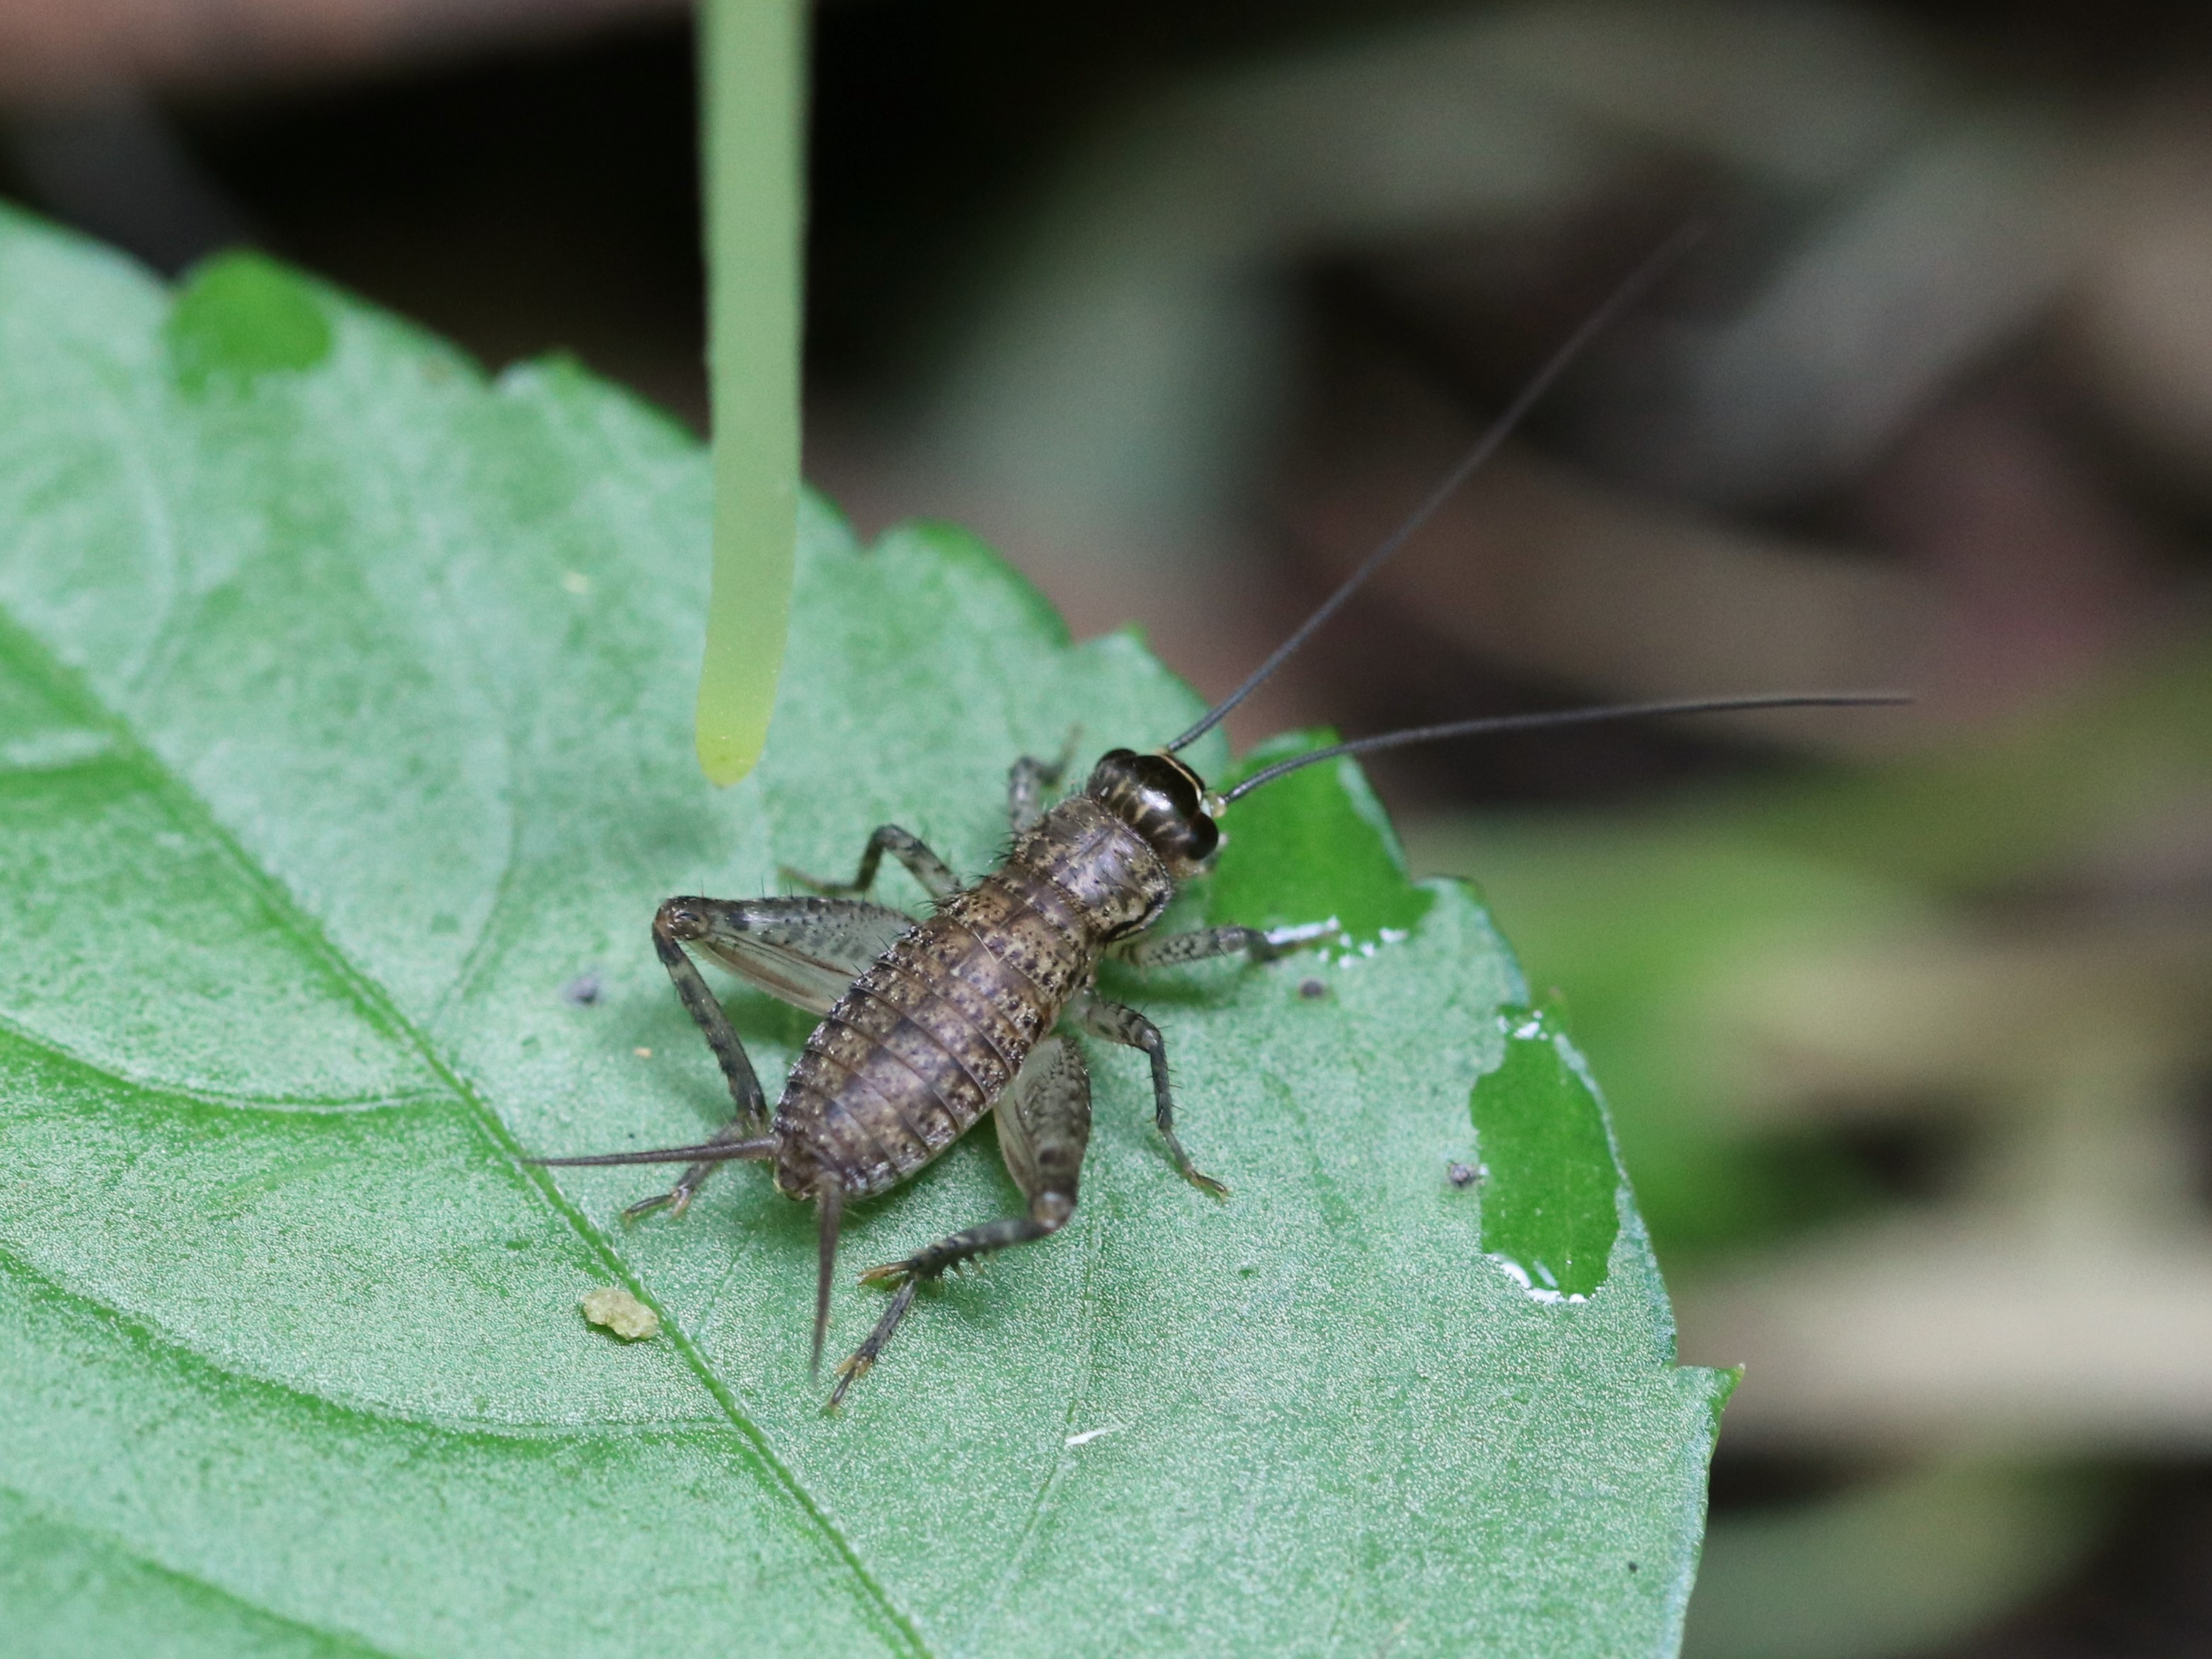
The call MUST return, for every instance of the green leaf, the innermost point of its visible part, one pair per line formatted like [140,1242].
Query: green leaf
[1314,850]
[344,723]
[244,319]
[1549,1210]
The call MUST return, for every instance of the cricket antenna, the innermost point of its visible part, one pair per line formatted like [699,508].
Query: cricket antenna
[1655,264]
[1496,723]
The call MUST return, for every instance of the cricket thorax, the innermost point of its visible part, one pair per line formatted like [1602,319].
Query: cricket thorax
[1100,864]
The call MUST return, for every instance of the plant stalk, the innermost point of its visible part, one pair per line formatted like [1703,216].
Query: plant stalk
[753,65]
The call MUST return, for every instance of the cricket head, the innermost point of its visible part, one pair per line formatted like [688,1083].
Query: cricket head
[1163,801]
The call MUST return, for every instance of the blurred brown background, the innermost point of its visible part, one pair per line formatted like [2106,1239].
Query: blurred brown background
[1904,1017]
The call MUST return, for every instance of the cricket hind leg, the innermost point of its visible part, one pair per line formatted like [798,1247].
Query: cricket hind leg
[1118,1023]
[1044,1125]
[804,951]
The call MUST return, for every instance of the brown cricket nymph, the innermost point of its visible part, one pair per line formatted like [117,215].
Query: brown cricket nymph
[928,1026]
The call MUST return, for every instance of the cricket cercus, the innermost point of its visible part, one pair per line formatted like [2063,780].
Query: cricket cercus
[927,1026]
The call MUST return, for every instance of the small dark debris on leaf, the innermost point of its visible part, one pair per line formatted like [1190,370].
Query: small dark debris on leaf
[584,990]
[1461,1174]
[1312,989]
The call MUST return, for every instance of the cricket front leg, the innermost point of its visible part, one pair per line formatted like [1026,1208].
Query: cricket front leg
[1201,945]
[1118,1023]
[1044,1125]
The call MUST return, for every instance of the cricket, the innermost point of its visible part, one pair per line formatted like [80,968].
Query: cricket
[928,1026]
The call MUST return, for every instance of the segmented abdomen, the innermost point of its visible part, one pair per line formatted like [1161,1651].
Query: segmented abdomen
[925,1039]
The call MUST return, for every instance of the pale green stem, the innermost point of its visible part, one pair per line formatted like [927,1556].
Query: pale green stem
[752,57]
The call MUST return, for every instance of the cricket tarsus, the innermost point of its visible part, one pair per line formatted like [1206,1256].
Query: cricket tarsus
[863,1359]
[905,1277]
[701,1159]
[1117,1022]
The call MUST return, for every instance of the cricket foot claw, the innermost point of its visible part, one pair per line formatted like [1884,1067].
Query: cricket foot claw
[1188,1170]
[849,1371]
[676,1201]
[1197,1178]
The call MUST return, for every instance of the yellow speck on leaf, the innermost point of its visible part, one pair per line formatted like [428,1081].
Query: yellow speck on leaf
[621,1313]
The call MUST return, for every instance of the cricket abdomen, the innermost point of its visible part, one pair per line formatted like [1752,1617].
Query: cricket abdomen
[924,1041]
